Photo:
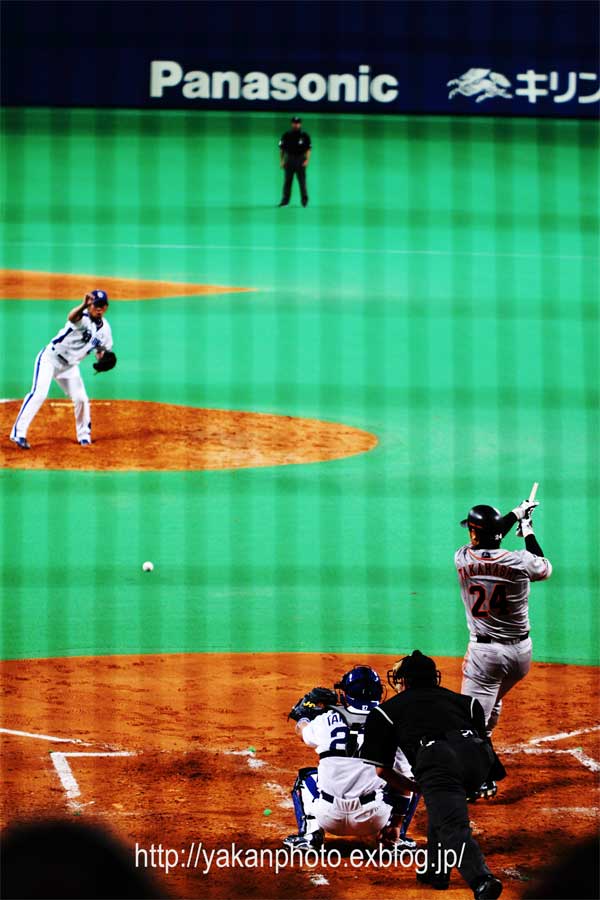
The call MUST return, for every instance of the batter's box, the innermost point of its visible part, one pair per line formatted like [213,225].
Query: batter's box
[581,744]
[81,782]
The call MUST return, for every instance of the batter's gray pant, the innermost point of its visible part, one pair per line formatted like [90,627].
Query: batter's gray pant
[490,671]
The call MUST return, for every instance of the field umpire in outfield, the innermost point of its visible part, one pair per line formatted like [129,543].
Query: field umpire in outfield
[442,734]
[294,154]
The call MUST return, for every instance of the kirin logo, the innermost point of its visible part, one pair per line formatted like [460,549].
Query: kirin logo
[482,82]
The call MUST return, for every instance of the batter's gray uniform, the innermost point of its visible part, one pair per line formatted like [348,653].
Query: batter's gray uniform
[494,586]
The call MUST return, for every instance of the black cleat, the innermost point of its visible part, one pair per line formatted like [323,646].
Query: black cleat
[488,889]
[487,790]
[21,442]
[312,841]
[305,202]
[284,203]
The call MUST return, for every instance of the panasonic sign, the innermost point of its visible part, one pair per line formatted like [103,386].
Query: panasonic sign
[167,75]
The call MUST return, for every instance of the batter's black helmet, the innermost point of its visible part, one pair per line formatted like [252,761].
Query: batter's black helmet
[487,520]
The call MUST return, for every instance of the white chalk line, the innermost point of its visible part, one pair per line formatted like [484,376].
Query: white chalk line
[513,872]
[564,734]
[532,747]
[591,811]
[254,762]
[271,248]
[112,748]
[46,737]
[68,780]
[285,801]
[579,755]
[585,760]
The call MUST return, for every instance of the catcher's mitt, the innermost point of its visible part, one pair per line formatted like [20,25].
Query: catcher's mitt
[313,704]
[107,361]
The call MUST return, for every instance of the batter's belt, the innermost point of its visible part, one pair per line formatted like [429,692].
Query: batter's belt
[482,639]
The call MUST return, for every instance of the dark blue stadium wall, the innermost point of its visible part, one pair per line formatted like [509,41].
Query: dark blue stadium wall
[497,58]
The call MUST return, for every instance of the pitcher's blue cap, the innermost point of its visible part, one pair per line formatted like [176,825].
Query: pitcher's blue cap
[100,298]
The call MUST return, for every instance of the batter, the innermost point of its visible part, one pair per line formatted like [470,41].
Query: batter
[494,586]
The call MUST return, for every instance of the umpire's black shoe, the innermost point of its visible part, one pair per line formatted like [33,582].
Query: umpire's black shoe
[488,889]
[284,203]
[305,201]
[437,882]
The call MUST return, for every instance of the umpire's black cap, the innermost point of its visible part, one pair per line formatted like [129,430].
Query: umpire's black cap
[296,119]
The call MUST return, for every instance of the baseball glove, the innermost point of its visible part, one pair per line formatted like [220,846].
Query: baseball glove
[107,361]
[313,704]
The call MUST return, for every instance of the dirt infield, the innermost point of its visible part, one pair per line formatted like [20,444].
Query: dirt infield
[130,435]
[210,749]
[17,284]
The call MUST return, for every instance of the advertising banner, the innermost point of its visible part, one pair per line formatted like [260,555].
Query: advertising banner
[489,58]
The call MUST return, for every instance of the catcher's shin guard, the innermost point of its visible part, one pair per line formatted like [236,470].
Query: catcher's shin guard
[409,812]
[305,790]
[403,809]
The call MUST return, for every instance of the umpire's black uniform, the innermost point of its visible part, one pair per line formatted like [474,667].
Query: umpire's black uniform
[442,734]
[294,146]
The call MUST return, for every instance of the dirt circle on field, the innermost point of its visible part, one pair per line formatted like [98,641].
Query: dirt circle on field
[130,435]
[178,749]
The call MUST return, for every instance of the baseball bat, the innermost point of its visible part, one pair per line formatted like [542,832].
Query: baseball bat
[532,494]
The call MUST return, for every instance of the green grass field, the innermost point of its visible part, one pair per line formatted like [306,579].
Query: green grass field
[441,291]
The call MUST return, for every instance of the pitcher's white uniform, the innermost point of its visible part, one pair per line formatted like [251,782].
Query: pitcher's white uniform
[350,798]
[494,586]
[60,360]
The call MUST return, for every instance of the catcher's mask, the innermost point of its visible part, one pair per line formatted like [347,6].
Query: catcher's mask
[100,300]
[415,670]
[360,688]
[487,522]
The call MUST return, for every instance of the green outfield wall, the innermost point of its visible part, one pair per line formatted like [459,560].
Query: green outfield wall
[439,291]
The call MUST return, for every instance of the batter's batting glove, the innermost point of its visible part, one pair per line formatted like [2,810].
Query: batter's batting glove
[525,527]
[525,508]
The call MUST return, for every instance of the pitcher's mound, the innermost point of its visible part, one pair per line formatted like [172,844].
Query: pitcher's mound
[130,435]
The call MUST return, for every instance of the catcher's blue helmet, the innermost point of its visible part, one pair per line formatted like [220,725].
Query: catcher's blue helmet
[360,688]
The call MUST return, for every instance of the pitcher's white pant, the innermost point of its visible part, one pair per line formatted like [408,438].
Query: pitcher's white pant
[490,671]
[47,366]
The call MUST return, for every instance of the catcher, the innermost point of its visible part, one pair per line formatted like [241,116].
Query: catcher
[85,331]
[344,795]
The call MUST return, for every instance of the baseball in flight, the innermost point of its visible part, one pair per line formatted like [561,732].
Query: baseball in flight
[148,566]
